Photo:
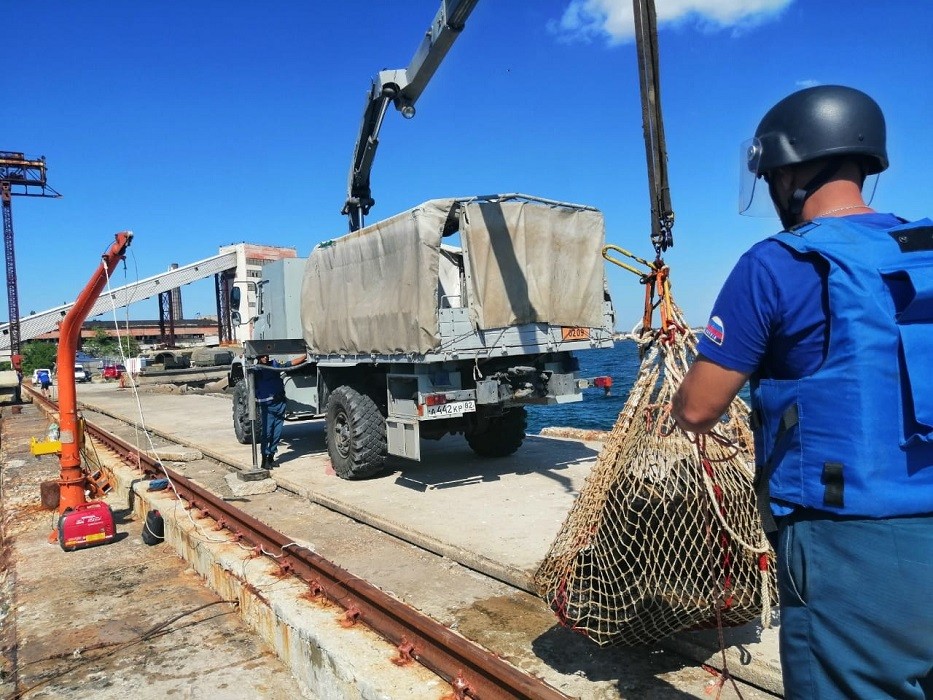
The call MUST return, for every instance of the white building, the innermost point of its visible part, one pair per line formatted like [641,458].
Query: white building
[250,259]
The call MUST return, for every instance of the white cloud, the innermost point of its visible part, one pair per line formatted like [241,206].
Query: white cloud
[807,83]
[585,20]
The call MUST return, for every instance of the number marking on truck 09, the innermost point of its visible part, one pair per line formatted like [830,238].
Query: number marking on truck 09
[449,410]
[574,333]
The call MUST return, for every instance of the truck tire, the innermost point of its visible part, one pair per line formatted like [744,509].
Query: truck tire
[503,437]
[355,433]
[241,422]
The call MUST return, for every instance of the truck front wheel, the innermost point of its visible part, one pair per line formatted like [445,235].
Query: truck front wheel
[242,425]
[503,436]
[356,434]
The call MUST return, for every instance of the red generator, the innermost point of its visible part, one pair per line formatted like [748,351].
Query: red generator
[86,525]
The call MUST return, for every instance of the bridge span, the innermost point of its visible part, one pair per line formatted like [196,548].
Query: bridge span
[47,321]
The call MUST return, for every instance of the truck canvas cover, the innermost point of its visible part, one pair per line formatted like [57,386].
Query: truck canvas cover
[376,290]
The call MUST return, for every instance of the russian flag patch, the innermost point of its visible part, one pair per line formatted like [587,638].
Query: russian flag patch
[714,330]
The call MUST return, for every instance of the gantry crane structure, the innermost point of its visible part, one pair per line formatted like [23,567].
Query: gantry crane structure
[18,176]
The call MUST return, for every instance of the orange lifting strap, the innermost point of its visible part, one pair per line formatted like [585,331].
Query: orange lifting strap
[657,283]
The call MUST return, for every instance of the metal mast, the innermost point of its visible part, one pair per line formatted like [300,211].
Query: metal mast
[646,41]
[16,171]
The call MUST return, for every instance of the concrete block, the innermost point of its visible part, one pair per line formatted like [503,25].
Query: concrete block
[175,454]
[250,488]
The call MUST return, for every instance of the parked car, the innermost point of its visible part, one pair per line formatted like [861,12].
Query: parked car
[81,374]
[112,371]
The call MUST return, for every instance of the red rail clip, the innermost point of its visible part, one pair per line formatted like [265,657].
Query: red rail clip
[351,616]
[462,689]
[406,653]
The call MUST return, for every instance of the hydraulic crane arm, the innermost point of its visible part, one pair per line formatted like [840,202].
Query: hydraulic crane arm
[646,40]
[402,87]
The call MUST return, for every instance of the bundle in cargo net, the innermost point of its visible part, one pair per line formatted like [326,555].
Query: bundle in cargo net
[665,535]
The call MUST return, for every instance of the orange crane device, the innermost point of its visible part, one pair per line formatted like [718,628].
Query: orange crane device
[80,523]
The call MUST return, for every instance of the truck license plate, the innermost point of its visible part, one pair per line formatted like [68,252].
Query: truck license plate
[450,410]
[574,333]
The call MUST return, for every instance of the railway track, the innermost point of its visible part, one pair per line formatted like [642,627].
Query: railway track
[471,671]
[453,538]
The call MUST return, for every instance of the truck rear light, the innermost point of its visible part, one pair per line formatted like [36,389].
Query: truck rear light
[603,382]
[435,399]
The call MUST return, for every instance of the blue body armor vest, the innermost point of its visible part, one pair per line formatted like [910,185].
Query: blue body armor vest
[856,437]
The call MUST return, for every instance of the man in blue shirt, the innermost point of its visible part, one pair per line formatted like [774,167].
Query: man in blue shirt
[832,321]
[270,397]
[45,382]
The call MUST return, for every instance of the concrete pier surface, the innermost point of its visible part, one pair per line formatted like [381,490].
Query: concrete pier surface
[115,621]
[464,537]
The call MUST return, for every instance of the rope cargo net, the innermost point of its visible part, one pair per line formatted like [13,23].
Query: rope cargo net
[665,534]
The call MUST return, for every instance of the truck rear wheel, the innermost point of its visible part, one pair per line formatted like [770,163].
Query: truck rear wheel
[242,425]
[503,436]
[356,434]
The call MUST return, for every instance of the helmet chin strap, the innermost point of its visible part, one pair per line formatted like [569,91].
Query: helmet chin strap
[790,212]
[788,217]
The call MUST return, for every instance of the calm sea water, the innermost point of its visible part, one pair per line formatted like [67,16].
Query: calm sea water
[597,411]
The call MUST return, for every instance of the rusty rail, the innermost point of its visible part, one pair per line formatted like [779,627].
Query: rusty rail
[471,671]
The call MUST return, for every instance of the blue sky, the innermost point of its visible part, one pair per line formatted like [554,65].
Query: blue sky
[201,123]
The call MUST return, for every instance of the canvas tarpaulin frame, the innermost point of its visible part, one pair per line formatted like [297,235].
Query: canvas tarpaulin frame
[528,263]
[375,290]
[526,260]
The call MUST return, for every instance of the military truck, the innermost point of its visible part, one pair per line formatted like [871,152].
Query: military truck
[448,318]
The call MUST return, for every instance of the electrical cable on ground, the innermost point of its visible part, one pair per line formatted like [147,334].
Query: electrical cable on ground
[114,647]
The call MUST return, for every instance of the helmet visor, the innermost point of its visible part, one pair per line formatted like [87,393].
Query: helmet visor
[754,198]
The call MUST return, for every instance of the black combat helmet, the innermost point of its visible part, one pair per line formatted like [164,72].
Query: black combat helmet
[821,121]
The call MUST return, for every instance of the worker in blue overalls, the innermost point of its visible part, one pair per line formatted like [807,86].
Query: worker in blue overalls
[832,322]
[270,397]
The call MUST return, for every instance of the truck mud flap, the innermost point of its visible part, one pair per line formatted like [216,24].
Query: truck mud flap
[404,438]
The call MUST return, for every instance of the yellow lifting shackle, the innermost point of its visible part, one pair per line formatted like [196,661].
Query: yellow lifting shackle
[607,256]
[657,282]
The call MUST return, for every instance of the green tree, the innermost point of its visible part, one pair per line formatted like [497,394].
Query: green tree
[101,345]
[105,345]
[130,346]
[38,354]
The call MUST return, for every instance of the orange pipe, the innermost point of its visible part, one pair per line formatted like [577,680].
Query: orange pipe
[71,481]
